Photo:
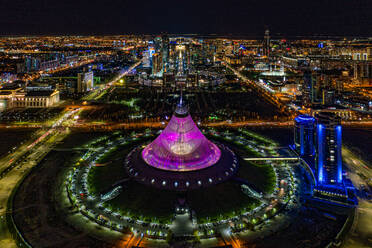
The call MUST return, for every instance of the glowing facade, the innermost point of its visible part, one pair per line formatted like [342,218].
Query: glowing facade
[181,146]
[304,135]
[329,144]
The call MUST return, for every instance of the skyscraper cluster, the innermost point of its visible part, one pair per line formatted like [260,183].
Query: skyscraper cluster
[318,141]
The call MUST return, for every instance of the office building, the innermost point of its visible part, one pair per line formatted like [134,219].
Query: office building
[165,52]
[84,82]
[328,149]
[14,96]
[35,99]
[266,44]
[363,72]
[157,63]
[304,135]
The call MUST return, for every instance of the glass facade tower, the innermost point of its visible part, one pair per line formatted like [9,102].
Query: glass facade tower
[328,149]
[304,135]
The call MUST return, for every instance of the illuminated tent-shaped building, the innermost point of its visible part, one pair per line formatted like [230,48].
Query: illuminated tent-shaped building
[181,146]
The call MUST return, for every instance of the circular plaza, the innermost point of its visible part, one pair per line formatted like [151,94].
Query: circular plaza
[181,182]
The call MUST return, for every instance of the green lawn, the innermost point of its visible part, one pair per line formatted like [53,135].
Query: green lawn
[260,175]
[147,203]
[219,202]
[100,178]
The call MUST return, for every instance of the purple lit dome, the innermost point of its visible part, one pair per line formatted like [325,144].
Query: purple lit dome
[181,146]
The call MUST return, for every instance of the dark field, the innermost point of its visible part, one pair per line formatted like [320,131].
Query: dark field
[36,211]
[11,138]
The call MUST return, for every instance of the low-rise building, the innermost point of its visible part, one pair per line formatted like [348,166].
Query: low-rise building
[35,99]
[14,96]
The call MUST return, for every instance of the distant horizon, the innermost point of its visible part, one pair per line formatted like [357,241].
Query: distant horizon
[235,36]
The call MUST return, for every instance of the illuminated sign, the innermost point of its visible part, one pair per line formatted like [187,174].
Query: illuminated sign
[151,51]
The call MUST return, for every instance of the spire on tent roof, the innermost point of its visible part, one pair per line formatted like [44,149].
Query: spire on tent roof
[181,109]
[181,98]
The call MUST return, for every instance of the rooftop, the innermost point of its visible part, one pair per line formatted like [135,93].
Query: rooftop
[10,87]
[40,93]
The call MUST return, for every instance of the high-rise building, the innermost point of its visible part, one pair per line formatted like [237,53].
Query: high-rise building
[328,96]
[146,59]
[363,72]
[84,82]
[304,135]
[322,137]
[157,44]
[328,149]
[180,61]
[307,88]
[165,52]
[157,63]
[312,87]
[328,163]
[266,43]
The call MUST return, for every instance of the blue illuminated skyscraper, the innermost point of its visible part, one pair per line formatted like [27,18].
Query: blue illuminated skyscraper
[328,149]
[329,183]
[304,135]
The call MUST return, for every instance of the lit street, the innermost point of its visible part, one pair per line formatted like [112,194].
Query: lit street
[40,147]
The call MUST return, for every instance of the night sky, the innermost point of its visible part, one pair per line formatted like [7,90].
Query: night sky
[238,17]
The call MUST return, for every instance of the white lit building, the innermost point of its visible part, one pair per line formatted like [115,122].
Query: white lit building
[85,82]
[14,96]
[34,99]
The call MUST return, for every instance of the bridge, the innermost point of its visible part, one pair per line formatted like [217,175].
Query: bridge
[75,149]
[273,159]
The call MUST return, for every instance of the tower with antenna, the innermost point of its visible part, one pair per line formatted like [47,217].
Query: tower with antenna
[266,43]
